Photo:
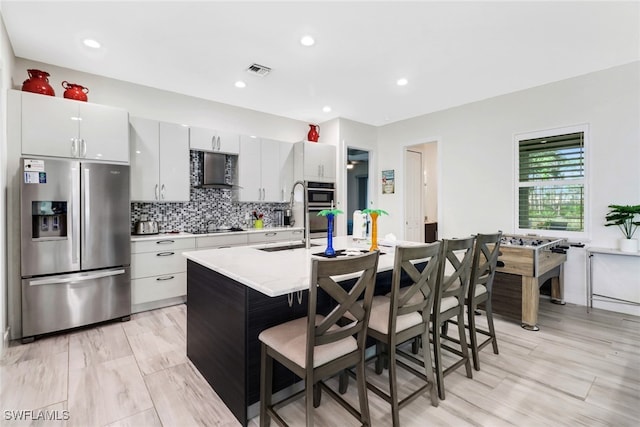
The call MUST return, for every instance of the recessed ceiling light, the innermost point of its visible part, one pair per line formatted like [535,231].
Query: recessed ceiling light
[240,84]
[91,43]
[307,41]
[326,109]
[402,82]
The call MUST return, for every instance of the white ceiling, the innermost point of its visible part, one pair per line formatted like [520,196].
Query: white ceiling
[452,53]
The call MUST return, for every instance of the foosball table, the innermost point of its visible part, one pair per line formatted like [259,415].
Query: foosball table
[535,259]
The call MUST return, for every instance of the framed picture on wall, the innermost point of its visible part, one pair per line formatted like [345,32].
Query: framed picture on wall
[388,181]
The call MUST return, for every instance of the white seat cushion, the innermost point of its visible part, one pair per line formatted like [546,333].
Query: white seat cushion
[417,298]
[448,303]
[379,319]
[290,340]
[480,289]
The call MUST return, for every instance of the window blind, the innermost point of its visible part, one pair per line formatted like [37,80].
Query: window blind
[551,183]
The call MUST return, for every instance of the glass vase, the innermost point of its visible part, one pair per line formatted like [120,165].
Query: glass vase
[330,251]
[374,232]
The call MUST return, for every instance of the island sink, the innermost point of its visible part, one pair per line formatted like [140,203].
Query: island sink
[286,247]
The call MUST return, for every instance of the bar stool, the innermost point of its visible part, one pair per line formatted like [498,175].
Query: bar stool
[402,317]
[317,347]
[483,271]
[455,269]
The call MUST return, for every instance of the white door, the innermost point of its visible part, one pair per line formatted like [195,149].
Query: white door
[104,133]
[49,126]
[249,170]
[270,170]
[145,159]
[414,219]
[174,162]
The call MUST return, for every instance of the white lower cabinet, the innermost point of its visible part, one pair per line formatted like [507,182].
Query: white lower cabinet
[270,236]
[222,241]
[159,272]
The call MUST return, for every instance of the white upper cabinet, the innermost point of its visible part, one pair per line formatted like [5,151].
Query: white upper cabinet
[314,162]
[159,161]
[260,170]
[204,139]
[60,127]
[286,170]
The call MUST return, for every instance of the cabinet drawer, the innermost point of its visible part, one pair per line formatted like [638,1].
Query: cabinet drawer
[157,263]
[221,241]
[275,236]
[158,288]
[162,244]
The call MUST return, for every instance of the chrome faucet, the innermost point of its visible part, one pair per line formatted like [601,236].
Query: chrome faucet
[307,242]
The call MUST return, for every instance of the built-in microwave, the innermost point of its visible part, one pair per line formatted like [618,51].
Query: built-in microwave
[321,193]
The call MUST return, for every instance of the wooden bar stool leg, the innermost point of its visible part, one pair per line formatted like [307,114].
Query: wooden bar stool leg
[428,367]
[492,329]
[266,374]
[362,393]
[463,342]
[471,316]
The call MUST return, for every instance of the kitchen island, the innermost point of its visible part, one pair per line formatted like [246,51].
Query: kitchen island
[234,294]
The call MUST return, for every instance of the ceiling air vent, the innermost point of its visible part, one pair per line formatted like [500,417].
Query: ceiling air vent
[258,70]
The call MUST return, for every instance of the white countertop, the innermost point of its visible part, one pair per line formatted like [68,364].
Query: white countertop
[277,273]
[182,234]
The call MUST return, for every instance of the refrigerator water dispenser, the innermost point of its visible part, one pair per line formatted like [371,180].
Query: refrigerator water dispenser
[48,219]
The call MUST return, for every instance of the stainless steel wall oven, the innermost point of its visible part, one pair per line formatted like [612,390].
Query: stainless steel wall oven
[320,196]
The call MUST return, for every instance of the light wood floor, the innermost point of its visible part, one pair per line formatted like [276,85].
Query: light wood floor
[579,369]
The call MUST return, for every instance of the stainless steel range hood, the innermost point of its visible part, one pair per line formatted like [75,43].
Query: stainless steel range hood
[213,171]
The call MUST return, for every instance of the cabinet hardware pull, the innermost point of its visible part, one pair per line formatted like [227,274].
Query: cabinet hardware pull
[162,192]
[218,143]
[290,299]
[83,144]
[299,297]
[271,233]
[156,191]
[165,253]
[73,148]
[164,242]
[165,278]
[213,142]
[76,278]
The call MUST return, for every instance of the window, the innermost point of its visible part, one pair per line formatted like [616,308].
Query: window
[551,182]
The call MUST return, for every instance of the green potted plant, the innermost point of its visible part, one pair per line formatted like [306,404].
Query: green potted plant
[623,216]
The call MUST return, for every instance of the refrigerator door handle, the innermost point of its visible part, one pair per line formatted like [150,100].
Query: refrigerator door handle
[75,217]
[56,281]
[87,206]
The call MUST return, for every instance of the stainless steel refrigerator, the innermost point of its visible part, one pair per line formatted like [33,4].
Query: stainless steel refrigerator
[75,244]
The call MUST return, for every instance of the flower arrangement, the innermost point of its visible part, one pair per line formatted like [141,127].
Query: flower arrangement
[257,219]
[374,213]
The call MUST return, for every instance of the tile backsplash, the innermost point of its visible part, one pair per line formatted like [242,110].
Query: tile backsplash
[206,205]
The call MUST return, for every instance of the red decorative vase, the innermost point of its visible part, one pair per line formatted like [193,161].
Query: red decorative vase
[314,133]
[38,82]
[74,91]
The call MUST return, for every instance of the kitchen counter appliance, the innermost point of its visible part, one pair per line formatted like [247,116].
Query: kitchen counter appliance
[320,196]
[144,227]
[75,244]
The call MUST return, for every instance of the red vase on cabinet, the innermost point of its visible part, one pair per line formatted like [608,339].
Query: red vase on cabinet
[314,133]
[38,82]
[74,91]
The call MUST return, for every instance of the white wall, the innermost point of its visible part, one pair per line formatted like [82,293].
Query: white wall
[168,106]
[477,156]
[6,65]
[363,137]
